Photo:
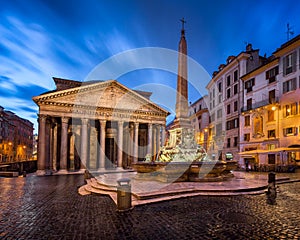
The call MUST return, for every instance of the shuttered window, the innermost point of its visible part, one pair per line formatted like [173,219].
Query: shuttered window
[289,63]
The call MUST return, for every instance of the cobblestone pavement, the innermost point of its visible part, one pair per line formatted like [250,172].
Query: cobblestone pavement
[50,208]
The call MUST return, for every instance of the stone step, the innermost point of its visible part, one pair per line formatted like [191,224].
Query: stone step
[8,174]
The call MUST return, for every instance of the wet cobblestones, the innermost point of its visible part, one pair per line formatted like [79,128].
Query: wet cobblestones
[51,208]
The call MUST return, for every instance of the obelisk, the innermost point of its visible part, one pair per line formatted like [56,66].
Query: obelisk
[182,119]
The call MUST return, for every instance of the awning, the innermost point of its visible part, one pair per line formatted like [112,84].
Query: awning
[284,149]
[253,152]
[276,150]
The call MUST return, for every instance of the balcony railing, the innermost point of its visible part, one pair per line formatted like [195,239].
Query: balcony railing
[262,103]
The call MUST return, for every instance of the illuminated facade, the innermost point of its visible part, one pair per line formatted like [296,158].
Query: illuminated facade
[96,125]
[225,98]
[270,120]
[16,138]
[199,116]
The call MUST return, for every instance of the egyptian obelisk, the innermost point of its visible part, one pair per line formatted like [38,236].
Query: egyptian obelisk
[182,119]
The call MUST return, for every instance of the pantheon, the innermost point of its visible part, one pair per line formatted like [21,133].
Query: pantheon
[96,125]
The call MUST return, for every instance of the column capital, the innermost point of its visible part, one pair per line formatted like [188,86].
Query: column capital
[136,124]
[65,119]
[120,123]
[84,121]
[102,123]
[42,117]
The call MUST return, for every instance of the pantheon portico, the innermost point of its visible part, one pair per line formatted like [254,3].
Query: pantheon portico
[96,125]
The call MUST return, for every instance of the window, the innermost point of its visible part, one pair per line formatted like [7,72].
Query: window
[235,75]
[247,120]
[271,115]
[271,146]
[235,89]
[219,113]
[235,141]
[289,85]
[236,123]
[247,137]
[219,129]
[228,109]
[291,131]
[249,104]
[271,133]
[213,117]
[271,158]
[228,142]
[228,125]
[235,106]
[228,93]
[220,98]
[228,81]
[213,93]
[220,87]
[272,96]
[289,63]
[249,84]
[200,107]
[231,124]
[271,74]
[290,109]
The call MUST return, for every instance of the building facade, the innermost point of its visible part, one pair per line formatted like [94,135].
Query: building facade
[16,138]
[96,125]
[270,116]
[225,98]
[199,117]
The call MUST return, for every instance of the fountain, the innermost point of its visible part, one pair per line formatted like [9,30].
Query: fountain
[181,158]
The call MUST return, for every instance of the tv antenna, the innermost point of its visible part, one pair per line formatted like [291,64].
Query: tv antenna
[289,32]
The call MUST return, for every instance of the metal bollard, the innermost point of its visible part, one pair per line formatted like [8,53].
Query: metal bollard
[271,192]
[123,195]
[87,174]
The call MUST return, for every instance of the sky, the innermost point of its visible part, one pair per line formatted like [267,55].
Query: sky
[41,39]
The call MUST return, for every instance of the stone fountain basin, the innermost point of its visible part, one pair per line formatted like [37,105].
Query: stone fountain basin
[185,171]
[148,167]
[231,165]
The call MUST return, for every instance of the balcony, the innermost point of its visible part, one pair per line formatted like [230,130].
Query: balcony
[262,103]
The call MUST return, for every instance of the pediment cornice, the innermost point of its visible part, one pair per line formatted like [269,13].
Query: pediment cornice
[67,98]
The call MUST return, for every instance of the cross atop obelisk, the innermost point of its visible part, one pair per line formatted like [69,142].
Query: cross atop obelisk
[182,119]
[183,22]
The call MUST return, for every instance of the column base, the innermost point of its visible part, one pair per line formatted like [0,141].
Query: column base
[62,172]
[40,173]
[82,170]
[119,169]
[101,169]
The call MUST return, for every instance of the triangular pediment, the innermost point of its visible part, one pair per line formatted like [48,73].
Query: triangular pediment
[109,95]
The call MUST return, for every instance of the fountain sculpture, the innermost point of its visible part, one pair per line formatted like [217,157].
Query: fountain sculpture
[181,158]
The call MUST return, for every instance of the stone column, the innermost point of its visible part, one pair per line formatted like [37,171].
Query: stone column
[154,142]
[163,136]
[102,144]
[41,146]
[158,144]
[136,142]
[150,132]
[93,148]
[131,144]
[54,145]
[120,144]
[51,146]
[83,143]
[64,145]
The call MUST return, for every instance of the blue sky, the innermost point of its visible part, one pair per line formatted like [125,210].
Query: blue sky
[41,39]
